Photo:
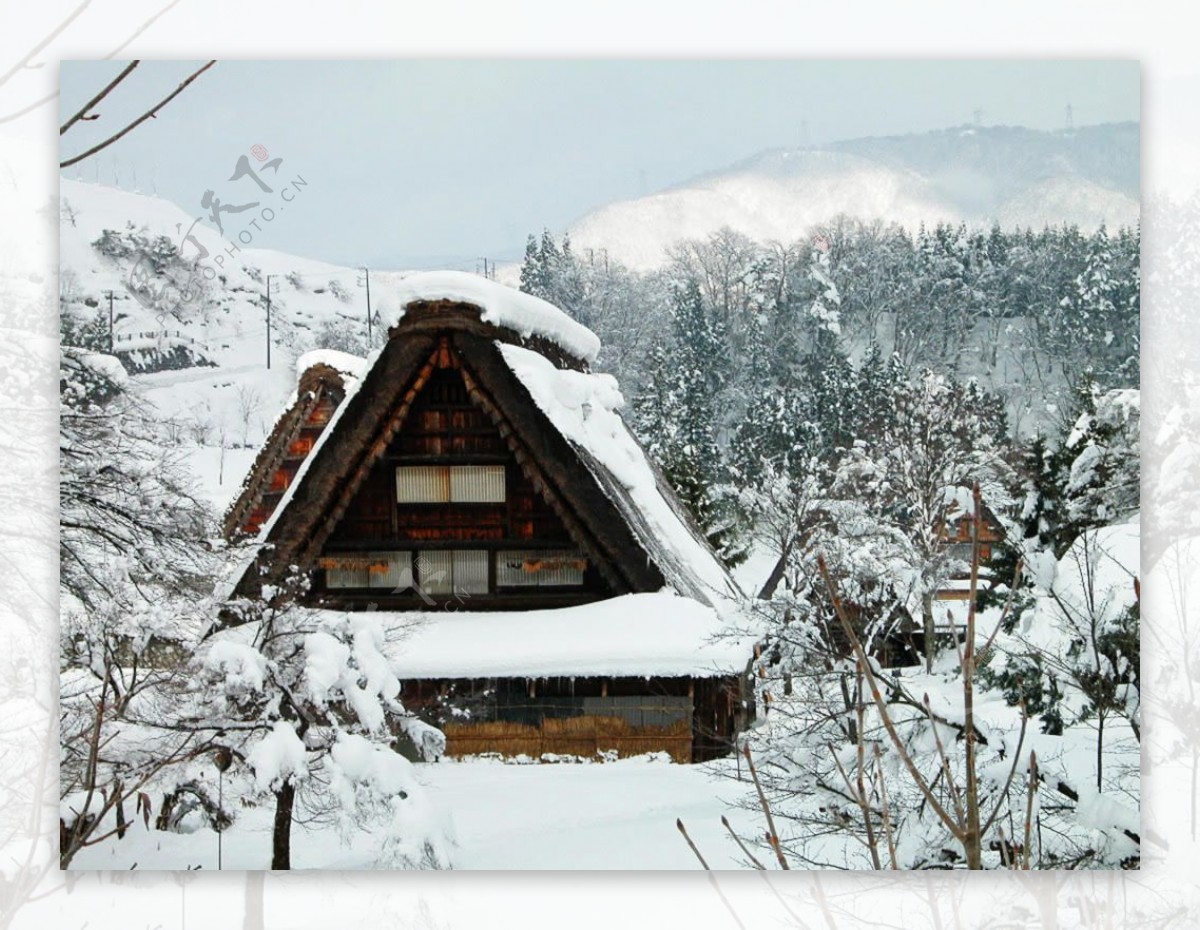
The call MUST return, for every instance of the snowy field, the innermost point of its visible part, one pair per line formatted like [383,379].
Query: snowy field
[617,815]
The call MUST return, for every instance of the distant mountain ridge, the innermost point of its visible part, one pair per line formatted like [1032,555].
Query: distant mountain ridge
[972,174]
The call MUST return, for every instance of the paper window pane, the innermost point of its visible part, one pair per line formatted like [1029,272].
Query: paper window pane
[391,570]
[435,572]
[470,572]
[539,567]
[346,578]
[422,484]
[477,483]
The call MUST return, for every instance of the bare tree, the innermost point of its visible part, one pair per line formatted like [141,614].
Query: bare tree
[249,403]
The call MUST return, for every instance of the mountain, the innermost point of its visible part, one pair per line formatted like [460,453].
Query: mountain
[972,174]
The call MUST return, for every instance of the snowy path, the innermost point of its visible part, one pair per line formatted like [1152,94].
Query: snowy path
[161,379]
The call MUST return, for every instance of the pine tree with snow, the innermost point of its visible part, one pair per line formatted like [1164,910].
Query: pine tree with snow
[675,417]
[540,266]
[943,438]
[1101,454]
[825,311]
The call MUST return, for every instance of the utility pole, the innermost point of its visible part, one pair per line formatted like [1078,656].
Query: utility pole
[485,268]
[111,338]
[269,277]
[367,281]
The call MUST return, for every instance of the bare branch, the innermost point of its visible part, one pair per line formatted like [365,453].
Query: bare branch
[683,830]
[885,809]
[153,111]
[742,846]
[772,834]
[888,724]
[82,113]
[50,37]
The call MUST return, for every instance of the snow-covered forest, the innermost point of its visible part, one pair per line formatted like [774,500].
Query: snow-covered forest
[825,408]
[832,411]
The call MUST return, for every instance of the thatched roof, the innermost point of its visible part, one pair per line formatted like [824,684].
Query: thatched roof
[560,421]
[322,378]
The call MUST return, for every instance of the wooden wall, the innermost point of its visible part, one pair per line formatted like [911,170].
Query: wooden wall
[691,719]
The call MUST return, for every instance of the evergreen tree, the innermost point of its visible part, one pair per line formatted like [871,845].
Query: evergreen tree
[1101,482]
[676,416]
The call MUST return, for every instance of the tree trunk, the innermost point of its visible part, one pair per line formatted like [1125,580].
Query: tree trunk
[121,823]
[930,636]
[776,576]
[281,846]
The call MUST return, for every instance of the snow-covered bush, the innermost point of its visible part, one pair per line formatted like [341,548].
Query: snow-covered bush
[315,707]
[339,290]
[871,767]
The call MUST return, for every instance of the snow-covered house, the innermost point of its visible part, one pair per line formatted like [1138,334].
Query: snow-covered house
[957,534]
[545,589]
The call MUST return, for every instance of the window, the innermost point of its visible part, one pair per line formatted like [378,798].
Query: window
[450,484]
[452,571]
[964,551]
[523,568]
[388,570]
[431,572]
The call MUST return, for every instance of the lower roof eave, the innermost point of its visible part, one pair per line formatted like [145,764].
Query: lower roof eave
[653,635]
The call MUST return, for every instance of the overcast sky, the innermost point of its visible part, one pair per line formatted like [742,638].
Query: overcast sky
[423,163]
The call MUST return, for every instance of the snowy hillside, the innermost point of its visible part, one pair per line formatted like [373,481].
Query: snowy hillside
[199,347]
[977,175]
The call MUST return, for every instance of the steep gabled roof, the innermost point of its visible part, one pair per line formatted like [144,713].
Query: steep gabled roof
[528,372]
[583,408]
[322,379]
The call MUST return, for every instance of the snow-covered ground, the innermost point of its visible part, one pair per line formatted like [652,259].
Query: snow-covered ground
[613,815]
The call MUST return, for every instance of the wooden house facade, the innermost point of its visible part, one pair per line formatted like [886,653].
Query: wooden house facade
[957,534]
[476,484]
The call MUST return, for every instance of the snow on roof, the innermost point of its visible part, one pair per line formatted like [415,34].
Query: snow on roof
[342,362]
[499,305]
[635,634]
[583,407]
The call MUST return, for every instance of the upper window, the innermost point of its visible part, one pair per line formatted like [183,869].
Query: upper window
[450,484]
